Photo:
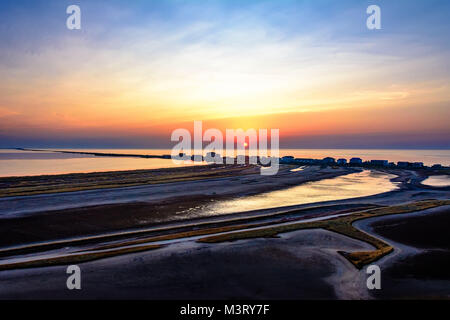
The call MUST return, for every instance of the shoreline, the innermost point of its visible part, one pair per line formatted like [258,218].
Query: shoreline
[169,199]
[331,269]
[202,186]
[162,209]
[70,182]
[107,218]
[40,244]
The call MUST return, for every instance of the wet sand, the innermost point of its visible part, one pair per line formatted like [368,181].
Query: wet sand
[418,230]
[31,218]
[419,268]
[297,265]
[236,181]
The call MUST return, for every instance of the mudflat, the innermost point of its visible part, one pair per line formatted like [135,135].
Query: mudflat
[165,201]
[286,252]
[419,268]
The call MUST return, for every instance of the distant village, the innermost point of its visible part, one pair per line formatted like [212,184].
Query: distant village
[357,162]
[212,157]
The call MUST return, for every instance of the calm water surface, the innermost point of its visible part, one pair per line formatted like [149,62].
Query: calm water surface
[437,181]
[21,163]
[354,185]
[29,163]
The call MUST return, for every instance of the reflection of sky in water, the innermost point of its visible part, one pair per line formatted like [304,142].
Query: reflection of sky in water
[298,169]
[30,163]
[354,185]
[437,181]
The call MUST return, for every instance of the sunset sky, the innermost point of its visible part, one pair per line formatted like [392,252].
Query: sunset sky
[139,69]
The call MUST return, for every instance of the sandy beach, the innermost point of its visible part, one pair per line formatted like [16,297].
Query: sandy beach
[130,248]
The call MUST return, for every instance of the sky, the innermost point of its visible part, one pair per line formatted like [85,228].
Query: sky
[137,70]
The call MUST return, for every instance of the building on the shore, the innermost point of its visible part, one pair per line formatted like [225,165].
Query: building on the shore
[241,159]
[356,161]
[403,164]
[229,160]
[383,163]
[287,159]
[417,165]
[253,159]
[212,157]
[436,166]
[182,155]
[328,160]
[304,161]
[196,157]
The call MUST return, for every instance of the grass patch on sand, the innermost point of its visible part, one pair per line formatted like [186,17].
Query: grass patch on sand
[243,224]
[75,258]
[341,225]
[174,236]
[142,236]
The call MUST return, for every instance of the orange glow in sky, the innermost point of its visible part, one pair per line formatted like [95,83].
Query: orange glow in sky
[241,68]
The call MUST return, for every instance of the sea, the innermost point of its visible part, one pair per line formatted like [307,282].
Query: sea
[15,162]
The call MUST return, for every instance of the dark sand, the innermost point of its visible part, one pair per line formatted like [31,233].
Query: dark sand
[110,219]
[298,265]
[420,231]
[420,265]
[295,266]
[167,202]
[69,223]
[431,264]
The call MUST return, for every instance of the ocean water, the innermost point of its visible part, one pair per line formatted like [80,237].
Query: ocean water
[354,185]
[27,163]
[437,181]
